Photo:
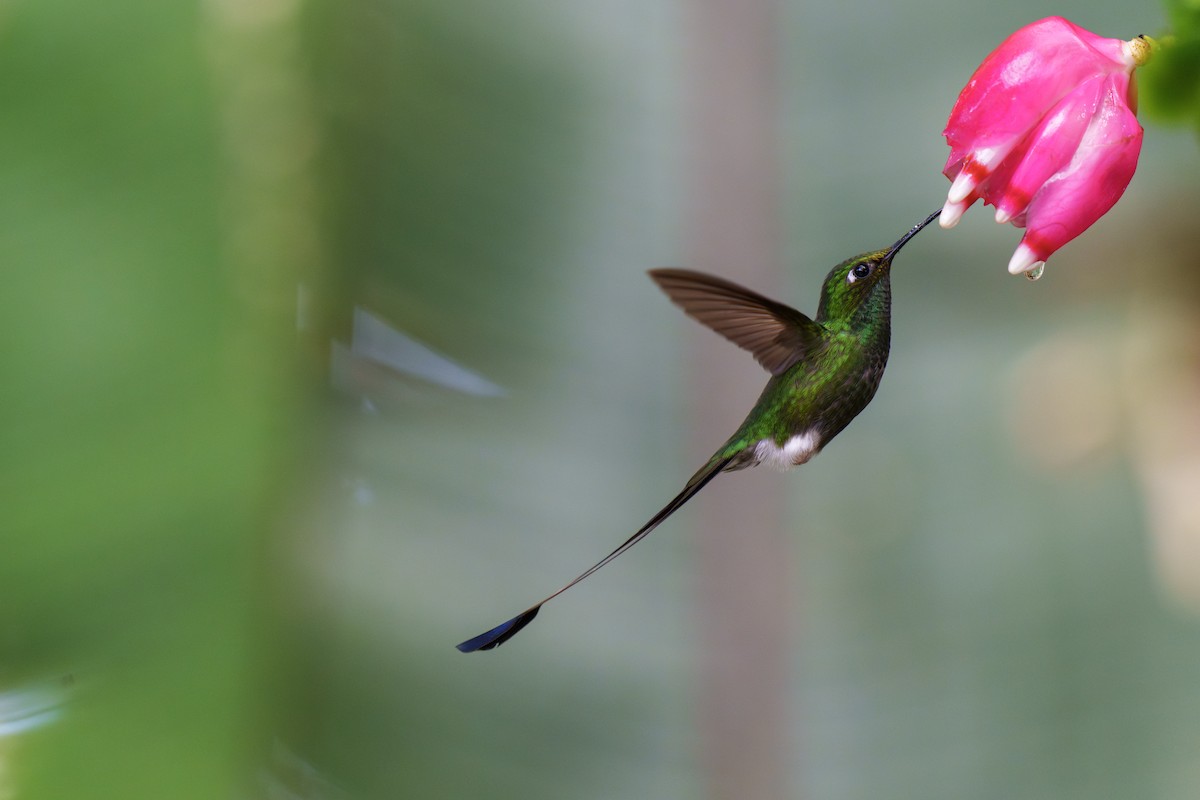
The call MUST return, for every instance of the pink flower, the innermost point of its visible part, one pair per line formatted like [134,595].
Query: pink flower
[1046,132]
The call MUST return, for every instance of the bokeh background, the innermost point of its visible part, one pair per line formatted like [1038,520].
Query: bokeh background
[327,344]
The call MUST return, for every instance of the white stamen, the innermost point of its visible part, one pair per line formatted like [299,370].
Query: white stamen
[951,214]
[962,187]
[1024,260]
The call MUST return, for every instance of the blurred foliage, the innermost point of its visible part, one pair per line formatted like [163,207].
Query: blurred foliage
[141,455]
[1169,86]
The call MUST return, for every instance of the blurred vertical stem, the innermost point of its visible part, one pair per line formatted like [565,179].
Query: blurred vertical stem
[269,142]
[156,240]
[275,255]
[745,572]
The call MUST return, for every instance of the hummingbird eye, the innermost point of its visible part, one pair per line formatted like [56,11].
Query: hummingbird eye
[860,271]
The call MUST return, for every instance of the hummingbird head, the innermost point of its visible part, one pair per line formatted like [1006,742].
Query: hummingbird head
[862,282]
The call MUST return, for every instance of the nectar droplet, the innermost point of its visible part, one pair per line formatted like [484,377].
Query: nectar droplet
[1036,272]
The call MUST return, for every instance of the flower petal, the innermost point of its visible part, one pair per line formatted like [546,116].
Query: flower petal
[952,212]
[1095,178]
[1017,84]
[1047,150]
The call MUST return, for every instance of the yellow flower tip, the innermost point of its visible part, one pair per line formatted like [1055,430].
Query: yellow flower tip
[1139,49]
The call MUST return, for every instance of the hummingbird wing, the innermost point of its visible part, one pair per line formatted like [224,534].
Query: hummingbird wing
[779,336]
[506,630]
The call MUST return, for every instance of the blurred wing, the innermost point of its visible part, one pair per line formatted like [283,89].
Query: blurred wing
[779,336]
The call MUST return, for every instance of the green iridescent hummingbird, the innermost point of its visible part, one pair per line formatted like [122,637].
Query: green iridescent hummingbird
[824,371]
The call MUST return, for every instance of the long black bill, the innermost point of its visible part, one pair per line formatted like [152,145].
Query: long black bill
[904,239]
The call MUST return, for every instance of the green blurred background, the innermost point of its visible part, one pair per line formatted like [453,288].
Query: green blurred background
[241,535]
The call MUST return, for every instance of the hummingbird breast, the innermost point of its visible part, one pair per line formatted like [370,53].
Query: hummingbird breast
[802,410]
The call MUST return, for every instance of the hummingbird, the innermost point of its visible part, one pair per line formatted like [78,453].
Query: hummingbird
[824,371]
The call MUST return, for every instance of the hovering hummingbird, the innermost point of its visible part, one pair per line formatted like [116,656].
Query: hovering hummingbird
[824,371]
